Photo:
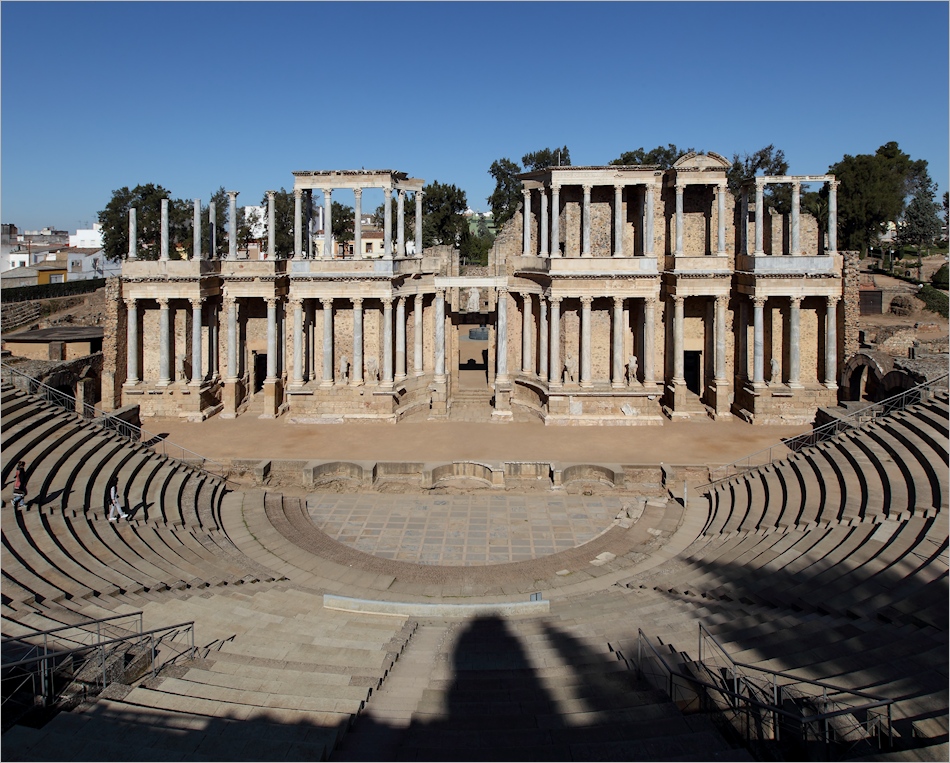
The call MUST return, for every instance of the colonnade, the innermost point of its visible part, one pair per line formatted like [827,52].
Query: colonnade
[165,357]
[795,246]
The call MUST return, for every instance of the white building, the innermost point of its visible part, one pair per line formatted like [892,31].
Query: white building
[85,238]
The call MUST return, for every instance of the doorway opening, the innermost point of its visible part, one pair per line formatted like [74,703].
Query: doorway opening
[692,370]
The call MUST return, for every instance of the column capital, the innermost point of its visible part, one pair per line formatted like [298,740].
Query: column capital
[555,187]
[719,188]
[358,193]
[130,302]
[232,194]
[795,301]
[586,301]
[229,300]
[298,193]
[327,192]
[796,185]
[387,301]
[759,182]
[555,300]
[526,192]
[833,185]
[832,299]
[401,193]
[388,193]
[357,302]
[758,301]
[419,194]
[270,194]
[619,187]
[327,303]
[587,187]
[678,298]
[440,292]
[295,302]
[162,303]
[502,290]
[271,302]
[680,187]
[196,302]
[722,299]
[618,303]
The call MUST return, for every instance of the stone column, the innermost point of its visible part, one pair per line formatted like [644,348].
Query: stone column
[585,224]
[796,218]
[327,380]
[400,223]
[648,227]
[679,304]
[544,222]
[271,339]
[618,221]
[298,232]
[232,224]
[418,195]
[833,216]
[543,339]
[526,219]
[196,372]
[387,371]
[297,305]
[758,341]
[794,338]
[440,335]
[328,223]
[759,217]
[133,235]
[649,341]
[357,228]
[720,334]
[680,188]
[401,338]
[721,213]
[617,343]
[387,223]
[356,375]
[213,340]
[831,342]
[744,228]
[271,232]
[501,337]
[163,255]
[164,348]
[132,341]
[231,305]
[555,220]
[417,362]
[307,243]
[527,362]
[554,379]
[196,231]
[585,342]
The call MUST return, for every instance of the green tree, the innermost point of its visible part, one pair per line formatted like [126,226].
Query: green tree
[442,218]
[507,194]
[665,157]
[283,222]
[920,223]
[147,200]
[342,222]
[766,161]
[941,278]
[546,157]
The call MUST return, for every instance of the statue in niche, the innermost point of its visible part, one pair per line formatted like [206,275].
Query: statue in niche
[372,368]
[631,370]
[474,301]
[344,368]
[776,372]
[180,368]
[570,369]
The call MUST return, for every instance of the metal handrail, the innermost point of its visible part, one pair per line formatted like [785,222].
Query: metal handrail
[106,421]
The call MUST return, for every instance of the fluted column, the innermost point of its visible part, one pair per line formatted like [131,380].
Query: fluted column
[648,227]
[388,223]
[585,224]
[133,235]
[401,338]
[758,341]
[833,216]
[618,221]
[527,361]
[232,225]
[196,372]
[440,335]
[526,219]
[417,361]
[501,337]
[721,215]
[298,229]
[555,220]
[759,217]
[327,380]
[554,378]
[163,255]
[132,342]
[796,218]
[196,231]
[585,341]
[356,375]
[649,342]
[680,188]
[164,348]
[401,223]
[679,304]
[271,233]
[357,228]
[388,340]
[271,339]
[231,305]
[328,223]
[794,338]
[616,343]
[544,222]
[297,305]
[719,329]
[543,338]
[831,342]
[418,196]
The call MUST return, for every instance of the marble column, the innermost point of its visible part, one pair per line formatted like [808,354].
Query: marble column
[164,344]
[618,221]
[585,342]
[297,305]
[648,227]
[213,340]
[526,220]
[232,224]
[758,341]
[796,218]
[617,343]
[231,305]
[357,228]
[327,380]
[212,230]
[163,255]
[501,337]
[418,196]
[649,341]
[196,231]
[356,375]
[440,335]
[387,371]
[298,231]
[719,330]
[417,361]
[527,361]
[543,339]
[196,372]
[831,342]
[555,220]
[585,223]
[133,235]
[271,231]
[554,378]
[544,222]
[721,215]
[679,304]
[401,338]
[680,189]
[794,338]
[759,217]
[833,217]
[744,217]
[132,342]
[271,339]
[308,237]
[400,223]
[387,223]
[328,223]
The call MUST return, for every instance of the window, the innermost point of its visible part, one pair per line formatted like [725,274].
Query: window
[369,247]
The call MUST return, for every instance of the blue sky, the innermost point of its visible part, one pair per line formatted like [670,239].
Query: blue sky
[193,96]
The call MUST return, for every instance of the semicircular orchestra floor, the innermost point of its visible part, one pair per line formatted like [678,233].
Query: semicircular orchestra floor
[463,530]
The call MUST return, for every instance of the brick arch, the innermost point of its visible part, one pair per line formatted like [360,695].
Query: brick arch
[864,373]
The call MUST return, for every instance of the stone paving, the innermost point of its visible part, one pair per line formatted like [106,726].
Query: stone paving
[463,529]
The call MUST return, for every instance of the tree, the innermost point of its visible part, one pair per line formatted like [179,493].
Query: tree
[342,222]
[920,224]
[546,157]
[507,194]
[442,218]
[765,161]
[283,223]
[941,278]
[221,201]
[665,157]
[147,200]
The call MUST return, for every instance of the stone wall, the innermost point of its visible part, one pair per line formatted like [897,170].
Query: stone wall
[114,347]
[851,312]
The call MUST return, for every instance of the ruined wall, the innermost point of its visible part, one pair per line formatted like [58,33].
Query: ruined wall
[114,347]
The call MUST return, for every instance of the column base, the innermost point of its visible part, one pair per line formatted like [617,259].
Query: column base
[831,385]
[356,382]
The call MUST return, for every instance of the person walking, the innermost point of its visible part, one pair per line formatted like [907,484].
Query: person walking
[115,507]
[19,485]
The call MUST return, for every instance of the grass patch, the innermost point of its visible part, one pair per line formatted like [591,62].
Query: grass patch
[935,300]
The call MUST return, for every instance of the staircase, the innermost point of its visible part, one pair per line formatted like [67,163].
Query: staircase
[471,405]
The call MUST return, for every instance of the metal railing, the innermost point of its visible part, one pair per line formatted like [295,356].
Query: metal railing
[134,434]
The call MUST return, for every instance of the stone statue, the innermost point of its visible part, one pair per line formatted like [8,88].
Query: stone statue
[180,368]
[632,370]
[344,368]
[570,369]
[372,368]
[776,372]
[474,302]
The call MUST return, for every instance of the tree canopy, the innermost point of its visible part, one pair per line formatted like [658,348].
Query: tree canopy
[283,222]
[766,161]
[342,222]
[920,224]
[664,156]
[506,197]
[443,221]
[546,157]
